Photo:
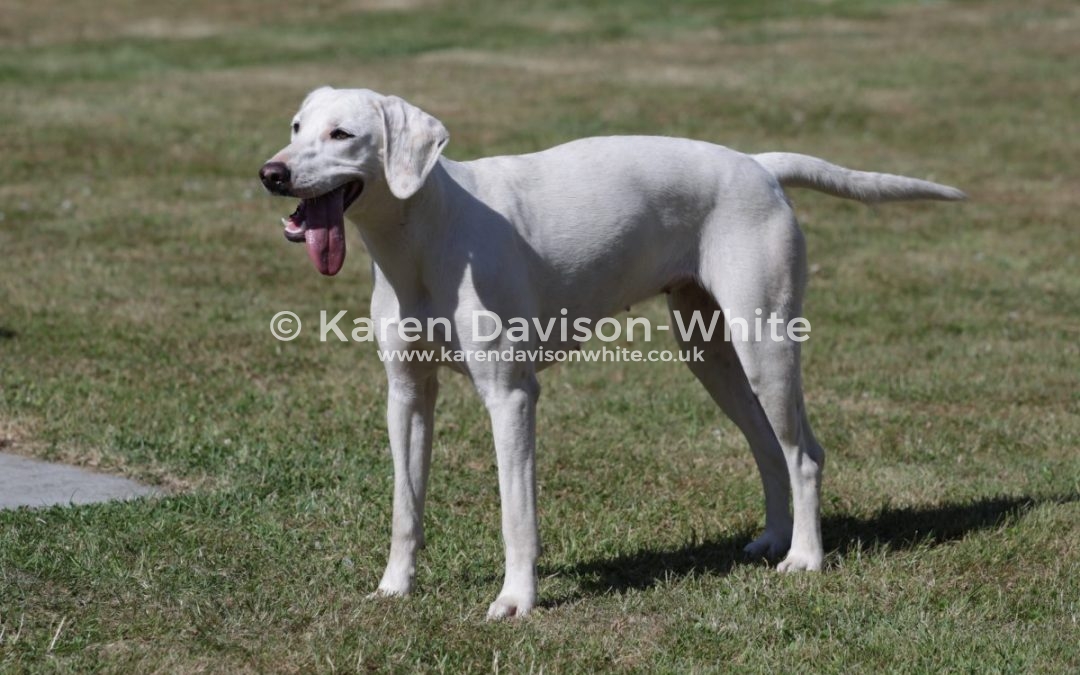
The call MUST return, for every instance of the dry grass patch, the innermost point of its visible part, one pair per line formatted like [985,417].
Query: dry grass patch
[47,22]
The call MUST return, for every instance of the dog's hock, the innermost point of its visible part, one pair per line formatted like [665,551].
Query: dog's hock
[412,143]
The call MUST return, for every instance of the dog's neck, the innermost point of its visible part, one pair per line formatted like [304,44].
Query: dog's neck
[398,240]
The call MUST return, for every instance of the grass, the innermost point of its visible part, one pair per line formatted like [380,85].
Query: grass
[142,264]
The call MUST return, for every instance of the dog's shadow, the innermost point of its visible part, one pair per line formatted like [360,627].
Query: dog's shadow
[891,529]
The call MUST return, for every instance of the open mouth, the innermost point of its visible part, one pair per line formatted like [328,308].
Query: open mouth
[320,222]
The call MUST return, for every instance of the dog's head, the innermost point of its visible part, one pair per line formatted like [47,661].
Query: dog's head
[349,144]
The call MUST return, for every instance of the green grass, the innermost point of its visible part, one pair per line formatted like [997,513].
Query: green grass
[142,264]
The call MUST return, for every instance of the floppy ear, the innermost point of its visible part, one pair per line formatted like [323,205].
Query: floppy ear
[412,143]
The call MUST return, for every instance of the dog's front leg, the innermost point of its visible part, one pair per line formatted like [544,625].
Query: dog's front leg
[513,421]
[410,419]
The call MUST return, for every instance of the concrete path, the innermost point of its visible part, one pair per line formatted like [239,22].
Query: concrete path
[31,482]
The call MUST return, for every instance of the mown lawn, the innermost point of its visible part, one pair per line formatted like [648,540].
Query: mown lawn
[141,264]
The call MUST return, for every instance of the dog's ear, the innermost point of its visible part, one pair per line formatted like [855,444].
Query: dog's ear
[412,143]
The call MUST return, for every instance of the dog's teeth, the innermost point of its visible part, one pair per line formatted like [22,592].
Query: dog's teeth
[284,221]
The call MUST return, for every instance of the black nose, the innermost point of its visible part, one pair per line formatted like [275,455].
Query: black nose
[275,176]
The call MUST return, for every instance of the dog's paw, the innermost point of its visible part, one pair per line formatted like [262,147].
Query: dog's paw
[393,586]
[769,546]
[798,562]
[381,592]
[509,605]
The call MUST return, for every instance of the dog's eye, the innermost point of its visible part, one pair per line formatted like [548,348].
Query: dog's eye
[340,135]
[296,127]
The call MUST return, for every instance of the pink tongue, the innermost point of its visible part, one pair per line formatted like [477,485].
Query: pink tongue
[325,234]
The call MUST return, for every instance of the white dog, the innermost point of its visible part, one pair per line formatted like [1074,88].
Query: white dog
[589,227]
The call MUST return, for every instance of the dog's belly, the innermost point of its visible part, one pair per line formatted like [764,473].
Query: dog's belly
[637,258]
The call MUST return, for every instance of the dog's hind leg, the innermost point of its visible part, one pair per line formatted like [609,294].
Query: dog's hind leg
[722,375]
[759,275]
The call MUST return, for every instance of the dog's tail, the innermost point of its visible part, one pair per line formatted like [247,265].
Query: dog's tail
[804,171]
